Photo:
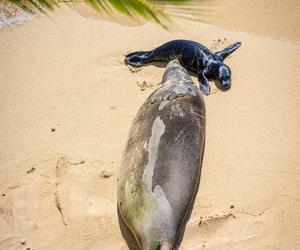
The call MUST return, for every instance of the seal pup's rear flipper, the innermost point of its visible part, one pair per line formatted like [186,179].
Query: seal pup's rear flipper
[138,58]
[228,50]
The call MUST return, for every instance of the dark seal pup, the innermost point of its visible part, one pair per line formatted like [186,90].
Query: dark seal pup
[161,165]
[194,57]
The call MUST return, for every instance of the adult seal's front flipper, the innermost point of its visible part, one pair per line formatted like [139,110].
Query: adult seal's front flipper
[228,50]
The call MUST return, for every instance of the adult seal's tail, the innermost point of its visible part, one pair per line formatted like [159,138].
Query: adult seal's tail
[194,57]
[161,165]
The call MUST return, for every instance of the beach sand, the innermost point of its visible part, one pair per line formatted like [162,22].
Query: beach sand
[276,19]
[67,102]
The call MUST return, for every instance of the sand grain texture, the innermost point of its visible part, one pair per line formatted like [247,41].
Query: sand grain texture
[67,102]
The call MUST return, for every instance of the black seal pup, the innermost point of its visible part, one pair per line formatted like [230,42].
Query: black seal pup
[194,57]
[161,165]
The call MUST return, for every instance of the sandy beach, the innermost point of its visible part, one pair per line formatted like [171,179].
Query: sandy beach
[67,102]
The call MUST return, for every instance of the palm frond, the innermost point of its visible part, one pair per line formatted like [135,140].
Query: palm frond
[146,9]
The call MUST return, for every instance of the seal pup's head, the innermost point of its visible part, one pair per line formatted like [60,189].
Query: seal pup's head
[224,76]
[221,73]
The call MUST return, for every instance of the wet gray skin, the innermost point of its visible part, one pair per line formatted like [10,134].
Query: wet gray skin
[161,165]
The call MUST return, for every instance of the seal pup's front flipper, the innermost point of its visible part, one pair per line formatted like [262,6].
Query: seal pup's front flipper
[138,58]
[203,81]
[228,50]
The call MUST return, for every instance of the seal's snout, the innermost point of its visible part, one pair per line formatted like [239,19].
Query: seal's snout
[173,63]
[226,85]
[175,73]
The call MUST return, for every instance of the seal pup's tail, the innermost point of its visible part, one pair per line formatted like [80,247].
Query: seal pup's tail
[138,58]
[228,50]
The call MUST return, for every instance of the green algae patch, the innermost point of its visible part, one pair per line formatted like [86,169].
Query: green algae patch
[138,202]
[158,246]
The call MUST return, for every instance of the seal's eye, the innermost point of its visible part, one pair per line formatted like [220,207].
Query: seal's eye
[224,78]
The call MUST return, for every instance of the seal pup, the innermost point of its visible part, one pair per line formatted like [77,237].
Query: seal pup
[193,56]
[161,164]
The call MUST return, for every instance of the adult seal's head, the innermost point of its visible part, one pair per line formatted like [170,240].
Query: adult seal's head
[194,57]
[161,165]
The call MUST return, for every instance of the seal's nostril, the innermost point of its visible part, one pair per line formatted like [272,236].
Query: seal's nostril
[226,85]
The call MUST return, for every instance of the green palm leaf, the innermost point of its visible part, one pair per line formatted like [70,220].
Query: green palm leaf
[144,8]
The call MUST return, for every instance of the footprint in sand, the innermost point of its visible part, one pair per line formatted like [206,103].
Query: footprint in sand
[218,43]
[205,220]
[146,85]
[134,69]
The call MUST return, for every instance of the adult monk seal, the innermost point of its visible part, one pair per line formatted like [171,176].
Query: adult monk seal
[161,165]
[194,57]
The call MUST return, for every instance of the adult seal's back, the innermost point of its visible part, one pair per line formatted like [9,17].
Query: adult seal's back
[194,57]
[161,165]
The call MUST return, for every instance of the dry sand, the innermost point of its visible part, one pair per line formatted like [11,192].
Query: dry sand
[66,104]
[271,18]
